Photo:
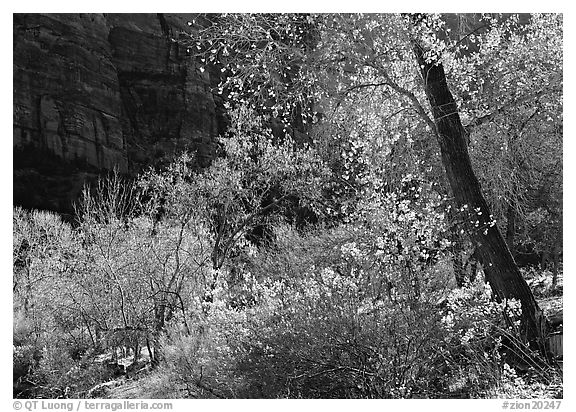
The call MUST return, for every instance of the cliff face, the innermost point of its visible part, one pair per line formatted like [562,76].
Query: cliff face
[95,91]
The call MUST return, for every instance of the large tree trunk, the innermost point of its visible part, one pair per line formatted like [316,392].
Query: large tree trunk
[510,228]
[457,261]
[501,270]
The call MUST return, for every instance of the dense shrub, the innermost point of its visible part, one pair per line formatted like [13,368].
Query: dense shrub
[308,329]
[319,338]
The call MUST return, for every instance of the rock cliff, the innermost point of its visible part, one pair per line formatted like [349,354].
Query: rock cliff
[97,91]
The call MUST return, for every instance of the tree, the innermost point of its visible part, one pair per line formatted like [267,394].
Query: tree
[44,251]
[507,83]
[247,187]
[352,54]
[500,268]
[152,272]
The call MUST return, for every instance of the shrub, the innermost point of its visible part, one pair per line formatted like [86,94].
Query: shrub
[315,330]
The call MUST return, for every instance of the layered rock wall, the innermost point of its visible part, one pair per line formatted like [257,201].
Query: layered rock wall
[93,92]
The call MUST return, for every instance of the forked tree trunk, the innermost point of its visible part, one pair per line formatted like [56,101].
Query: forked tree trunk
[499,266]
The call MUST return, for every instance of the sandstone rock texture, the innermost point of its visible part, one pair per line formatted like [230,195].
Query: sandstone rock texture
[93,92]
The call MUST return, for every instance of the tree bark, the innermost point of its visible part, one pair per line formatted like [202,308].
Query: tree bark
[501,270]
[458,267]
[510,228]
[457,261]
[159,320]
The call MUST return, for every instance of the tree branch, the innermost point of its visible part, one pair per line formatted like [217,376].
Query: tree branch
[490,116]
